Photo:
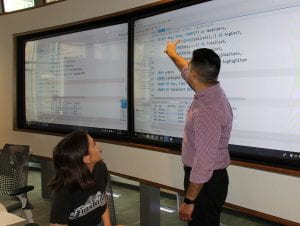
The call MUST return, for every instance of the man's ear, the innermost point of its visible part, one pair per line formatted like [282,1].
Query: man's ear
[193,75]
[86,159]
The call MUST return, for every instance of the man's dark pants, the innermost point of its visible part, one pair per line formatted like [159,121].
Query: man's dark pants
[210,200]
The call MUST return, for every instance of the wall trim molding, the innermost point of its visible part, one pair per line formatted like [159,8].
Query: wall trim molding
[230,206]
[260,214]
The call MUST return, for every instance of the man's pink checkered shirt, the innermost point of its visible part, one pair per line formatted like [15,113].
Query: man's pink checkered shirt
[207,132]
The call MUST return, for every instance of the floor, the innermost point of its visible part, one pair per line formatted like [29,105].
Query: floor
[127,208]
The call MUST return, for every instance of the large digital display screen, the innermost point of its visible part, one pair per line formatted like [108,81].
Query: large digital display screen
[258,42]
[78,80]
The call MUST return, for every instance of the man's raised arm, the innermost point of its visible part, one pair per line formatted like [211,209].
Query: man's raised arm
[178,60]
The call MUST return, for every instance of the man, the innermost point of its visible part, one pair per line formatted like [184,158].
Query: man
[206,135]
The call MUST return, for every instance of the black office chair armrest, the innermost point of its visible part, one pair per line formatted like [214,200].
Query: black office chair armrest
[22,190]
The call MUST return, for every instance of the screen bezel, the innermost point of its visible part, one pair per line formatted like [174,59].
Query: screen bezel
[270,157]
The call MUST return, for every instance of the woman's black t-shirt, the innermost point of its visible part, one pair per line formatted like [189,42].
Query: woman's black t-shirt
[81,208]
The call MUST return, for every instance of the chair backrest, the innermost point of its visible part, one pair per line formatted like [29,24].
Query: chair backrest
[13,168]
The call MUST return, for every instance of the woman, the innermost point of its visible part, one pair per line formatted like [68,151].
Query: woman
[78,188]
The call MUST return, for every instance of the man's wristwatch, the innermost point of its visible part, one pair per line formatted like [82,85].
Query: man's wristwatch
[188,201]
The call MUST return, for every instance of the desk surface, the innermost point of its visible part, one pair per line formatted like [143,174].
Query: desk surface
[8,218]
[2,208]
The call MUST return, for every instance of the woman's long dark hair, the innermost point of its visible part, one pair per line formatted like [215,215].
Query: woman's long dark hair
[70,170]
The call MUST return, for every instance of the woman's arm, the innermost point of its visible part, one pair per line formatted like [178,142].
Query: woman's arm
[106,218]
[60,208]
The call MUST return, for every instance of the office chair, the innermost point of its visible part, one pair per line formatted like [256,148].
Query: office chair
[13,179]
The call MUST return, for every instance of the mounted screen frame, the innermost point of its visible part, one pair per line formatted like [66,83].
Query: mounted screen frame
[238,152]
[258,155]
[122,133]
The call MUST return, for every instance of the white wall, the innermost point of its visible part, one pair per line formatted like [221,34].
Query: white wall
[270,193]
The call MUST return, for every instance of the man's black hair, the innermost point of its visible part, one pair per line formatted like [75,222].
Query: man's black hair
[207,65]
